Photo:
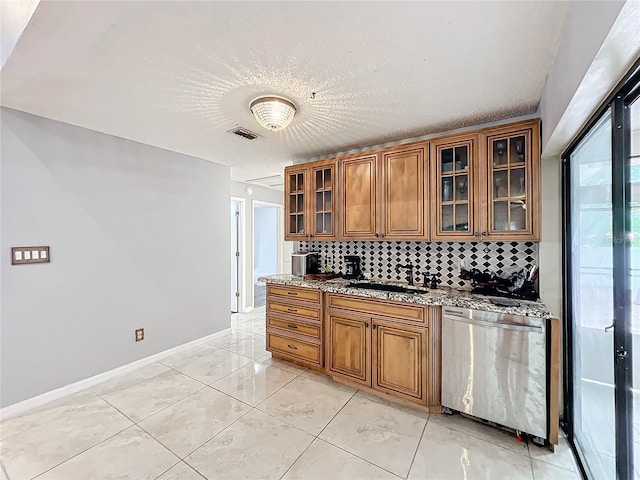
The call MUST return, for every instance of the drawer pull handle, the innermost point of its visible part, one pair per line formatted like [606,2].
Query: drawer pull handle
[292,310]
[292,293]
[292,347]
[292,326]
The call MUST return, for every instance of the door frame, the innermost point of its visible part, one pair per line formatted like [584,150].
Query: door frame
[627,91]
[280,241]
[242,259]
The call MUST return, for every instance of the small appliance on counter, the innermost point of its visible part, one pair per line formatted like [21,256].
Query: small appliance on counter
[352,266]
[513,282]
[304,263]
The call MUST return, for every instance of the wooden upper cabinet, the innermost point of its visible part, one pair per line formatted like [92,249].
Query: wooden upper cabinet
[454,188]
[295,202]
[310,201]
[511,183]
[323,199]
[358,187]
[403,200]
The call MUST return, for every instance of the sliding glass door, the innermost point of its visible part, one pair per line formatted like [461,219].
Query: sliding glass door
[602,272]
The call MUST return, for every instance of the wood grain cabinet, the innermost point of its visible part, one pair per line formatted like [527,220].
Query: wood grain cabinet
[311,200]
[378,350]
[486,185]
[294,324]
[384,194]
[510,186]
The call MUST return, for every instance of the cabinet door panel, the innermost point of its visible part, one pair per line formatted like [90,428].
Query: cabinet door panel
[358,186]
[400,360]
[349,348]
[403,199]
[511,184]
[454,192]
[295,200]
[323,214]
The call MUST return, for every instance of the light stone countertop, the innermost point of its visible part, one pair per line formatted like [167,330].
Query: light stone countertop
[443,296]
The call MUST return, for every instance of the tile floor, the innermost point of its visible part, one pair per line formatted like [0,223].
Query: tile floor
[225,409]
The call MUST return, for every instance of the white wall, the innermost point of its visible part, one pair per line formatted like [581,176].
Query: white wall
[139,237]
[260,194]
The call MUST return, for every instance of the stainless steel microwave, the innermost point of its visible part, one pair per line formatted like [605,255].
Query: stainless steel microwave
[303,263]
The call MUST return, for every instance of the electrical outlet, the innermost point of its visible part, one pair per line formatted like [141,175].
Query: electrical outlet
[139,334]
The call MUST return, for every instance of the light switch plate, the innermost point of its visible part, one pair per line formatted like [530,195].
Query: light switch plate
[25,255]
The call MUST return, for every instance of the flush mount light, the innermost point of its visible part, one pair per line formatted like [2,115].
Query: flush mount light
[273,113]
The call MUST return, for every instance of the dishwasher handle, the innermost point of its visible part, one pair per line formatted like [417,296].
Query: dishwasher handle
[484,323]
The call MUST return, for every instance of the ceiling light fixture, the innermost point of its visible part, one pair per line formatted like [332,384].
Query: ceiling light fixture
[273,113]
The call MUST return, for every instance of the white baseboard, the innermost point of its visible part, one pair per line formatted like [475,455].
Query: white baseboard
[19,408]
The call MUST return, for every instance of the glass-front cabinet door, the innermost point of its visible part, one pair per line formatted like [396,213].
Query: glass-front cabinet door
[453,164]
[511,183]
[295,196]
[323,211]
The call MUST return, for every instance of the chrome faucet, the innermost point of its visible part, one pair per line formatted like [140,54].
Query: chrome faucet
[409,268]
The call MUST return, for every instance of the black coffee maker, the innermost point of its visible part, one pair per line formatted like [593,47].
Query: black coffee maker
[352,266]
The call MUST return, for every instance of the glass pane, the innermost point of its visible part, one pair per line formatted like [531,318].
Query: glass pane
[300,182]
[319,202]
[293,223]
[518,220]
[300,223]
[518,187]
[327,200]
[500,152]
[500,215]
[292,183]
[300,203]
[447,189]
[319,181]
[592,298]
[462,217]
[319,223]
[328,226]
[293,203]
[462,187]
[500,186]
[447,218]
[634,273]
[327,178]
[462,158]
[447,159]
[517,150]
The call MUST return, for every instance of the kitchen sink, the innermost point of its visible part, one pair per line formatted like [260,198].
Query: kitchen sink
[387,288]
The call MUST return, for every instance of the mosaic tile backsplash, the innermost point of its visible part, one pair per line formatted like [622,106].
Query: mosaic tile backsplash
[379,259]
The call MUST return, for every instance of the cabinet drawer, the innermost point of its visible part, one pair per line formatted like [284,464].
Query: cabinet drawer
[298,349]
[297,293]
[379,308]
[292,309]
[294,327]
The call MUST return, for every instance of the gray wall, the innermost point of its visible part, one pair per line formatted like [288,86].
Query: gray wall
[139,237]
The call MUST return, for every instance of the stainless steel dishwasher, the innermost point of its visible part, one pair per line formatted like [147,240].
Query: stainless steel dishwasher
[494,367]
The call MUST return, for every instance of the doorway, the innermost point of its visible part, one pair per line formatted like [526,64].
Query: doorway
[602,270]
[266,246]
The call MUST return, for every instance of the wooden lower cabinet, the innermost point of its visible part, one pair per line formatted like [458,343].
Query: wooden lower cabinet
[350,348]
[379,354]
[400,360]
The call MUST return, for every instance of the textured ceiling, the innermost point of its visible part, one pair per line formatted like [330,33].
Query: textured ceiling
[178,75]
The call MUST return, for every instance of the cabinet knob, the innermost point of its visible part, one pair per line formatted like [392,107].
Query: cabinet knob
[485,234]
[476,234]
[377,235]
[383,235]
[366,325]
[374,326]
